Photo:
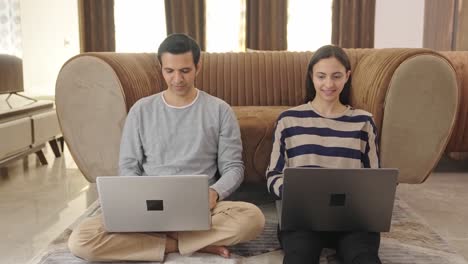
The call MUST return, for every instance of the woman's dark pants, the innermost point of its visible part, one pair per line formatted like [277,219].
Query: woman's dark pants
[351,247]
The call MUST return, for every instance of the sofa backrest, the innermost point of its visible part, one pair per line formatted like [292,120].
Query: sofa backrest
[262,78]
[255,79]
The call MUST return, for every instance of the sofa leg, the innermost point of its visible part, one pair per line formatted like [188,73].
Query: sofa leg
[41,157]
[55,148]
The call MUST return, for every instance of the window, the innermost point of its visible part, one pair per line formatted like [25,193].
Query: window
[10,28]
[140,26]
[309,24]
[225,25]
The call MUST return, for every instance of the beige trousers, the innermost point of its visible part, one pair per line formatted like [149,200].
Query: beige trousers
[231,223]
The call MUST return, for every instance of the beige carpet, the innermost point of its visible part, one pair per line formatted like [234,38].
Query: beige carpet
[411,240]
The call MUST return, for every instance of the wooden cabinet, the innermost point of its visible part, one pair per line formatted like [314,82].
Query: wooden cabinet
[26,128]
[15,137]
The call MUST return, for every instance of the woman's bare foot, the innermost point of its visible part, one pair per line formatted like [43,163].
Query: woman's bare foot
[217,250]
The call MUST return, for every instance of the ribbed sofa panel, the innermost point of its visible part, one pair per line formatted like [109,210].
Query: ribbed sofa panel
[459,139]
[402,88]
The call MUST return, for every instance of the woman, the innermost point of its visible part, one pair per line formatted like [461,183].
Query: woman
[325,132]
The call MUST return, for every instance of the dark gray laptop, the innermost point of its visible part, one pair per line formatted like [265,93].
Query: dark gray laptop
[337,199]
[154,203]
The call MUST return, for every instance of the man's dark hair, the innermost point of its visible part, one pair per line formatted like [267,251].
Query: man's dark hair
[325,52]
[178,44]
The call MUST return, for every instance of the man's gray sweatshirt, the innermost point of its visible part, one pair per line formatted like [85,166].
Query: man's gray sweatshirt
[200,138]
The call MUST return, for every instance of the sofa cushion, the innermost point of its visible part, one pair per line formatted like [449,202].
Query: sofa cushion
[257,124]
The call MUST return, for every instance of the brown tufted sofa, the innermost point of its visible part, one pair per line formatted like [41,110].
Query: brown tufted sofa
[412,93]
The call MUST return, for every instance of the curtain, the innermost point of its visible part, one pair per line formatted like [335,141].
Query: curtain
[97,29]
[267,24]
[186,16]
[353,23]
[440,29]
[10,28]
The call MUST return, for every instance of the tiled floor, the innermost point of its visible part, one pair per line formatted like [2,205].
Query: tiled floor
[38,202]
[443,202]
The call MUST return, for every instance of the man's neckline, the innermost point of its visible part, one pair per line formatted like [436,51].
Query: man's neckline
[181,107]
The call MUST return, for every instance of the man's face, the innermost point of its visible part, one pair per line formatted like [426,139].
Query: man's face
[179,72]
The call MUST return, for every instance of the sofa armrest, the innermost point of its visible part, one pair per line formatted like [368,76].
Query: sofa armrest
[413,95]
[94,92]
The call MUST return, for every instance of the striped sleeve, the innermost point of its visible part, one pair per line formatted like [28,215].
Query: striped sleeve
[371,152]
[274,173]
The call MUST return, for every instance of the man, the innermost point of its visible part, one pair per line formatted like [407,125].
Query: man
[179,131]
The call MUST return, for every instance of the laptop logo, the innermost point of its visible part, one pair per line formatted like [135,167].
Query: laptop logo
[337,199]
[154,205]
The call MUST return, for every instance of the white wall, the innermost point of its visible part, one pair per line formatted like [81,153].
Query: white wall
[50,38]
[399,24]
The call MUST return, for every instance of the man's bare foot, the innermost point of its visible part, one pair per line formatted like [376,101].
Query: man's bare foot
[217,250]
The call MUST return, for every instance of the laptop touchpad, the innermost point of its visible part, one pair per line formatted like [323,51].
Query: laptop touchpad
[337,199]
[154,205]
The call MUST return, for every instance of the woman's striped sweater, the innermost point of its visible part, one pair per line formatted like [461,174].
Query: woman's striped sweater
[304,138]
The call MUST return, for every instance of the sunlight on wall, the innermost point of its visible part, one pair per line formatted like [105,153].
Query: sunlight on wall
[225,25]
[309,24]
[10,28]
[50,37]
[140,26]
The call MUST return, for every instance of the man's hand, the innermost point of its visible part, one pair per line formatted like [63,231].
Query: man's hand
[213,198]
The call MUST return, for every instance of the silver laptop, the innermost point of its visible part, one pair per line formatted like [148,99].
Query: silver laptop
[337,199]
[154,203]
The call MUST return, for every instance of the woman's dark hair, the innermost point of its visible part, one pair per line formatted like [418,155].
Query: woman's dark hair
[178,44]
[325,52]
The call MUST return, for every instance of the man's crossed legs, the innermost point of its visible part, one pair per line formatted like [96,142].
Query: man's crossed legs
[232,223]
